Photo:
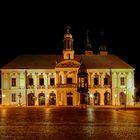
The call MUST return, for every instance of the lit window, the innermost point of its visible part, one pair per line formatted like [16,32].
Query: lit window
[51,81]
[122,81]
[105,81]
[41,81]
[96,81]
[69,80]
[13,82]
[30,81]
[13,97]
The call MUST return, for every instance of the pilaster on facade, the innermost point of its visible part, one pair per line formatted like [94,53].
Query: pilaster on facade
[102,75]
[57,77]
[64,77]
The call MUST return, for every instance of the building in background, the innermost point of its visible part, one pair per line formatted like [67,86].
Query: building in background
[52,79]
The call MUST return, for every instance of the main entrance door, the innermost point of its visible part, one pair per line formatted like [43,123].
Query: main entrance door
[52,99]
[106,98]
[69,98]
[41,99]
[31,99]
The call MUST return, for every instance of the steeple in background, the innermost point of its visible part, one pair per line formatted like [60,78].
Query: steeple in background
[102,45]
[88,47]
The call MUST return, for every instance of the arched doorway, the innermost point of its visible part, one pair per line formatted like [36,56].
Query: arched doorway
[69,98]
[122,98]
[41,99]
[106,98]
[96,98]
[52,99]
[31,99]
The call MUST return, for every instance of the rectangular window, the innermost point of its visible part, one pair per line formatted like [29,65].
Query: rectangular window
[51,81]
[96,81]
[13,97]
[122,81]
[13,82]
[41,81]
[31,82]
[69,80]
[106,81]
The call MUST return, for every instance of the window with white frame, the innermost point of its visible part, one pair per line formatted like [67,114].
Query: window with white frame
[13,80]
[13,97]
[122,81]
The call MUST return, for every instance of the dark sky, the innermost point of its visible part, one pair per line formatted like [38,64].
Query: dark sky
[38,28]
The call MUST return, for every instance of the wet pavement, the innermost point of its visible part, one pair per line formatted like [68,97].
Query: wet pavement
[68,123]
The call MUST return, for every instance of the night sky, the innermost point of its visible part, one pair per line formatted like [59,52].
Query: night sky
[38,28]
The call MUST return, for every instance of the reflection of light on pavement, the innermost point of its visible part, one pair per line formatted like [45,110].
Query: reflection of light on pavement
[91,116]
[3,113]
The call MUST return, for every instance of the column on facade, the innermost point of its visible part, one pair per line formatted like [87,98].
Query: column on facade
[130,88]
[59,98]
[113,83]
[99,78]
[57,77]
[118,87]
[89,79]
[36,80]
[92,80]
[64,77]
[18,79]
[7,87]
[74,77]
[3,86]
[46,79]
[102,75]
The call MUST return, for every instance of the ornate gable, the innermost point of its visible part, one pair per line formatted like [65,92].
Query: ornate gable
[68,64]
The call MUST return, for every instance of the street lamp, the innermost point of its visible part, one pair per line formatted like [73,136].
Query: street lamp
[19,96]
[125,98]
[82,84]
[115,100]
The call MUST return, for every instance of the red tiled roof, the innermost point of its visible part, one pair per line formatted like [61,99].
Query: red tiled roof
[49,62]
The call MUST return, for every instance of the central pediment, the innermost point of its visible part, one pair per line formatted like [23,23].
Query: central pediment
[68,64]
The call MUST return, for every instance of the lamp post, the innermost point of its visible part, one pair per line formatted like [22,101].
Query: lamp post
[125,98]
[19,96]
[115,100]
[82,85]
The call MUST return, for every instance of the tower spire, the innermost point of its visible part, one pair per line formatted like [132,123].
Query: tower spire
[68,52]
[88,47]
[102,45]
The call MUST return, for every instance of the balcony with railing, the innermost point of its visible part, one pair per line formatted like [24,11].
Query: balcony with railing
[40,86]
[74,85]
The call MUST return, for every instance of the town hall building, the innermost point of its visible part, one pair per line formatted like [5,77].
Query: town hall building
[44,80]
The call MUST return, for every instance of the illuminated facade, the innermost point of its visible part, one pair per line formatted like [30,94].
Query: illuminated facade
[52,79]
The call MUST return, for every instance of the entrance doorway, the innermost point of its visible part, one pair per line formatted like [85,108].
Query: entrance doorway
[96,98]
[69,98]
[52,99]
[41,99]
[122,98]
[106,98]
[31,99]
